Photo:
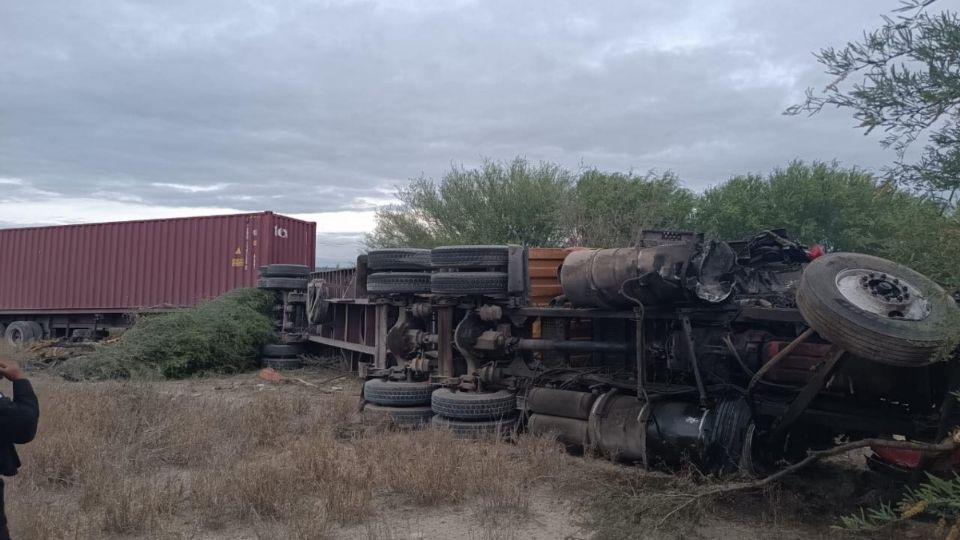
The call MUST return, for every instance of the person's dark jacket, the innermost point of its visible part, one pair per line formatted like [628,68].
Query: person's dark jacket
[18,424]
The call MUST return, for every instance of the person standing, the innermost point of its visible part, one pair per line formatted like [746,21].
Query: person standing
[18,425]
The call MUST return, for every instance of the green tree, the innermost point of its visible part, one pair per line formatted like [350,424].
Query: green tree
[842,209]
[500,202]
[610,209]
[904,78]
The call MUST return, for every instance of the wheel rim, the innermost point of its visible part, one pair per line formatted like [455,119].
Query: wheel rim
[883,295]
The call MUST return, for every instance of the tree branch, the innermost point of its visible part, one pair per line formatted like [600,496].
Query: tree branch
[947,445]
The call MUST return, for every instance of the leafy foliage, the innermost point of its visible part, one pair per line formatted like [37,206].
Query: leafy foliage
[222,335]
[515,202]
[842,209]
[909,86]
[937,497]
[610,209]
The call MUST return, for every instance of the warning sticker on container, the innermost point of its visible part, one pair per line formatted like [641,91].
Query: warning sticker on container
[237,262]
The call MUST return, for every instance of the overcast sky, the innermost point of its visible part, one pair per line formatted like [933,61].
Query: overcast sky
[113,109]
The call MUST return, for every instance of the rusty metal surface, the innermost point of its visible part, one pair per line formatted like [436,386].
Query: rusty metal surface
[152,264]
[616,278]
[569,431]
[544,267]
[340,282]
[565,403]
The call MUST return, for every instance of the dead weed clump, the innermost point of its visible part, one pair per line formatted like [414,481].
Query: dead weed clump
[433,467]
[137,504]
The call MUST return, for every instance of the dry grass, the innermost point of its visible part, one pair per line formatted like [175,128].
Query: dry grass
[229,458]
[135,459]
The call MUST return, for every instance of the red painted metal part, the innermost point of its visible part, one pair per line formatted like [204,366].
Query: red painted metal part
[910,459]
[798,367]
[154,264]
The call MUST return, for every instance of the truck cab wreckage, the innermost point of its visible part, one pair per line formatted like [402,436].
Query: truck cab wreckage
[730,355]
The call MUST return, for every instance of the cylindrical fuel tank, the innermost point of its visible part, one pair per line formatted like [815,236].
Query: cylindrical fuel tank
[669,431]
[569,431]
[566,403]
[594,277]
[617,429]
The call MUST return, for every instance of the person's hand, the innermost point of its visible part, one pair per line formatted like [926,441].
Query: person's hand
[10,370]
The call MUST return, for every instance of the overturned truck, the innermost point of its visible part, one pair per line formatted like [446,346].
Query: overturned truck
[727,354]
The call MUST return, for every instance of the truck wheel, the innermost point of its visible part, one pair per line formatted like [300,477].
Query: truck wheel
[397,393]
[473,405]
[477,429]
[398,283]
[282,283]
[469,256]
[399,259]
[878,309]
[285,270]
[280,364]
[283,350]
[37,329]
[402,417]
[19,333]
[465,283]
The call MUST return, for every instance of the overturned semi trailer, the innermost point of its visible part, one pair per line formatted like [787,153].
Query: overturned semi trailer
[727,354]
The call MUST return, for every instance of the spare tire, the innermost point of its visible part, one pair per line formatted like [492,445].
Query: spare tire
[398,283]
[282,283]
[19,332]
[285,270]
[37,329]
[473,405]
[402,417]
[469,256]
[283,350]
[397,393]
[399,259]
[477,429]
[280,364]
[878,309]
[465,283]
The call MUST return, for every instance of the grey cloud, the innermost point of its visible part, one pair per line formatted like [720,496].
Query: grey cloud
[305,106]
[338,249]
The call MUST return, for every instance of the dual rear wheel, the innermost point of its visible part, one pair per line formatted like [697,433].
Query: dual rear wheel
[469,415]
[22,332]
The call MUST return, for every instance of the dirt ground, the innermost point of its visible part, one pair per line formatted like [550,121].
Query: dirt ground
[243,458]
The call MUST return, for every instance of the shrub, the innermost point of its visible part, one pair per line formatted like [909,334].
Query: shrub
[223,335]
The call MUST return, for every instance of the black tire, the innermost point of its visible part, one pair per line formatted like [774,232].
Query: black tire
[398,259]
[282,283]
[37,329]
[477,429]
[280,364]
[473,405]
[283,350]
[469,256]
[2,330]
[402,417]
[397,393]
[465,283]
[398,283]
[886,339]
[19,333]
[285,270]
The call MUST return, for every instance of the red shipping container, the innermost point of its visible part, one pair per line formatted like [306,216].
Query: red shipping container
[142,265]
